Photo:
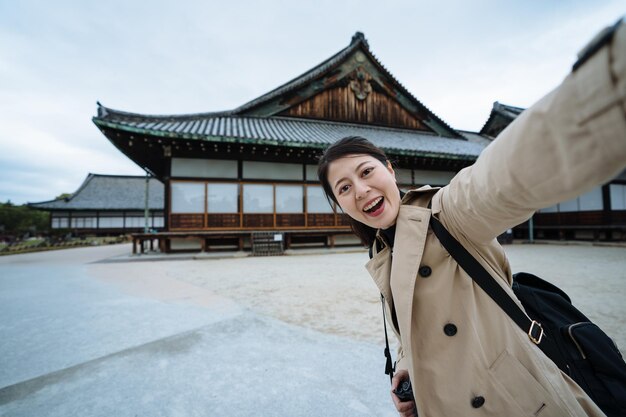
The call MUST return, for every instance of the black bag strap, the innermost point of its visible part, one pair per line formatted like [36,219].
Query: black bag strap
[485,281]
[388,366]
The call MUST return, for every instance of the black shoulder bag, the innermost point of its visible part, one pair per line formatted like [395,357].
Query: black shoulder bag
[576,345]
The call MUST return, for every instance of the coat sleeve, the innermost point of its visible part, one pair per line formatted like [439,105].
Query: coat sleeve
[570,141]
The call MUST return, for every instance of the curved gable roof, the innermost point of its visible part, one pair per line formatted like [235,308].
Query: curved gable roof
[109,192]
[500,117]
[332,70]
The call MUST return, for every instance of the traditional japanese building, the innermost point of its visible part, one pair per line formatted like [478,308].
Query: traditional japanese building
[232,173]
[108,205]
[500,117]
[599,214]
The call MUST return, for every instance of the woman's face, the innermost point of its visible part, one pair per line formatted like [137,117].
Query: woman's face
[365,189]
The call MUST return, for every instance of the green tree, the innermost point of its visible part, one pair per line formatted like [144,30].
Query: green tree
[18,220]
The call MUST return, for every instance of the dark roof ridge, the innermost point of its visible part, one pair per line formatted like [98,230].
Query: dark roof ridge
[87,180]
[350,124]
[303,78]
[123,176]
[357,40]
[71,196]
[104,111]
[94,184]
[498,106]
[501,109]
[408,93]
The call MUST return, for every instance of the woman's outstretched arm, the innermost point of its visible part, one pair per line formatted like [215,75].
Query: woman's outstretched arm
[570,141]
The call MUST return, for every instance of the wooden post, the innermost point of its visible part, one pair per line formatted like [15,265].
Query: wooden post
[162,246]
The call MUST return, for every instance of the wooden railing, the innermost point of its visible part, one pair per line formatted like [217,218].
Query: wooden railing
[245,221]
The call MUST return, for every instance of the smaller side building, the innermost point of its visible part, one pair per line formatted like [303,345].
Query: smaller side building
[500,117]
[599,214]
[107,205]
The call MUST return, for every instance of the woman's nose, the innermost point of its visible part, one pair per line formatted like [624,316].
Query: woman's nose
[361,189]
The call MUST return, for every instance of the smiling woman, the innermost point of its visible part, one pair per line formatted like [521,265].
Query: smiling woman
[461,352]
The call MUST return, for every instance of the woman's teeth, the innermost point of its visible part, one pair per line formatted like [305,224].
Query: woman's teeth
[373,204]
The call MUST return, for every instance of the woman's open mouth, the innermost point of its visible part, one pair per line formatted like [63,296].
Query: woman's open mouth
[375,207]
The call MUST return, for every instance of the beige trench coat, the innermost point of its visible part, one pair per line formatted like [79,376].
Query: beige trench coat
[464,355]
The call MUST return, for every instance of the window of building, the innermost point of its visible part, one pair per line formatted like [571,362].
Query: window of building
[289,199]
[424,177]
[316,200]
[258,198]
[591,200]
[60,222]
[618,196]
[113,222]
[135,222]
[311,173]
[569,205]
[187,197]
[271,171]
[223,198]
[203,168]
[404,176]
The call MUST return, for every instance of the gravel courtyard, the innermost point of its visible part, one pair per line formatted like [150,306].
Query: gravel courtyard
[96,332]
[334,294]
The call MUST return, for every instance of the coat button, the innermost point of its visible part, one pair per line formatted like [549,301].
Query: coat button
[478,402]
[449,329]
[425,271]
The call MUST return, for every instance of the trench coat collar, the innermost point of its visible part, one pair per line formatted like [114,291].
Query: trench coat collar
[411,230]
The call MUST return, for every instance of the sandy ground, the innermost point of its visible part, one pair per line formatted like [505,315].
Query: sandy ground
[88,332]
[142,341]
[334,294]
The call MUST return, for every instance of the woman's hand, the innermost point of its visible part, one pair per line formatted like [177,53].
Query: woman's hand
[406,408]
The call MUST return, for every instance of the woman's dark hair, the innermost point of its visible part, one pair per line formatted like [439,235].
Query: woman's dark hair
[351,145]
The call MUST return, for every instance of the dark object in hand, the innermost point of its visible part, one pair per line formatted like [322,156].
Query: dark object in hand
[404,391]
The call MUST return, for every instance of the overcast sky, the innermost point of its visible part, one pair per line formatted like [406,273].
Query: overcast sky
[57,58]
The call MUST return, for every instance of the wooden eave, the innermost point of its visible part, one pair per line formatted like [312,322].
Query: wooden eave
[148,149]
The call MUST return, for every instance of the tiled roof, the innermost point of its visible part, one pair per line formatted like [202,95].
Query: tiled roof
[285,131]
[500,117]
[475,137]
[110,192]
[506,110]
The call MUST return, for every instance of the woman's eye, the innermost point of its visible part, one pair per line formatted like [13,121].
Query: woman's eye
[344,189]
[366,171]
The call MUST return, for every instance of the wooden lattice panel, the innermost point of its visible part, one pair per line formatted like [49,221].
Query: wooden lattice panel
[289,220]
[187,221]
[321,220]
[258,220]
[227,220]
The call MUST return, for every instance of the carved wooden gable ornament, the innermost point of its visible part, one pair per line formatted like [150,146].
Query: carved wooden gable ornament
[360,84]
